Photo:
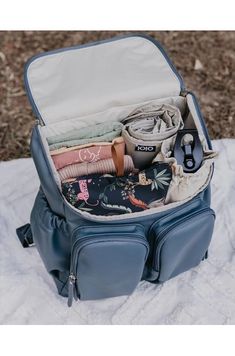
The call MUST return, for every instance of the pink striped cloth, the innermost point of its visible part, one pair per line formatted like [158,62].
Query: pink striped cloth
[88,154]
[103,166]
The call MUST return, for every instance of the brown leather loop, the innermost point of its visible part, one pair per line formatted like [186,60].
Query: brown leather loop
[118,158]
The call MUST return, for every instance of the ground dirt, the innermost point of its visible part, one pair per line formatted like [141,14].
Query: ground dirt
[206,61]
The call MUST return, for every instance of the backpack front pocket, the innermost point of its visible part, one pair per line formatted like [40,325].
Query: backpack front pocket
[179,244]
[106,261]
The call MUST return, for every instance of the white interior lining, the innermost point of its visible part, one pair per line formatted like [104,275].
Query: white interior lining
[81,81]
[193,120]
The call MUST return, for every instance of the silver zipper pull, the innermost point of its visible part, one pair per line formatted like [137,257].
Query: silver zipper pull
[71,287]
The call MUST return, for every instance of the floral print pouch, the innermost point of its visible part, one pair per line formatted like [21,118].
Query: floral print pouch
[112,195]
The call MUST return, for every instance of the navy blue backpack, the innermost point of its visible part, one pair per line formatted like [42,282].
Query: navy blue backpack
[97,256]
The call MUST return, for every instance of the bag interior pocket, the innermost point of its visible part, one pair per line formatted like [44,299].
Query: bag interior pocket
[106,261]
[179,244]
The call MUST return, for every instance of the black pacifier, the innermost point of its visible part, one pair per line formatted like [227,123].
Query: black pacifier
[188,150]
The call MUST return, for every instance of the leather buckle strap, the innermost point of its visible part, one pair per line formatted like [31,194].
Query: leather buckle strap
[118,159]
[25,236]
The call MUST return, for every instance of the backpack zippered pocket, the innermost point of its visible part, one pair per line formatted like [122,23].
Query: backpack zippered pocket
[179,244]
[106,261]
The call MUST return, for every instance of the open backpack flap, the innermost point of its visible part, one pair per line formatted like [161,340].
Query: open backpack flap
[122,100]
[75,82]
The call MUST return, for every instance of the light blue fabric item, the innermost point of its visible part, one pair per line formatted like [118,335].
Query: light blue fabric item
[104,132]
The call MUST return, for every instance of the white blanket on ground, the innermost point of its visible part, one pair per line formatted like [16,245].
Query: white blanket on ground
[203,295]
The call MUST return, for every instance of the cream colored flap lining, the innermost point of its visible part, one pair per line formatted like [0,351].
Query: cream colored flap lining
[75,82]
